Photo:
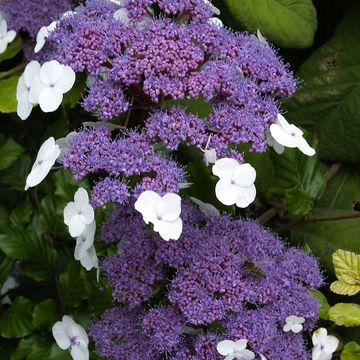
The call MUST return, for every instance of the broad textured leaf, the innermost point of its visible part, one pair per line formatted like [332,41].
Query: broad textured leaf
[5,267]
[326,236]
[9,152]
[21,215]
[16,321]
[39,257]
[298,180]
[288,23]
[345,314]
[15,175]
[342,191]
[328,100]
[66,186]
[8,102]
[45,314]
[347,270]
[12,49]
[72,285]
[351,351]
[324,305]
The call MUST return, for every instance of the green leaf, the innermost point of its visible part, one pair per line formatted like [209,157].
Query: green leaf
[45,314]
[342,191]
[13,48]
[198,107]
[5,267]
[72,285]
[8,102]
[9,151]
[4,216]
[39,257]
[345,314]
[15,175]
[298,180]
[347,270]
[288,23]
[66,186]
[23,348]
[16,321]
[326,236]
[324,305]
[21,215]
[72,97]
[351,351]
[328,100]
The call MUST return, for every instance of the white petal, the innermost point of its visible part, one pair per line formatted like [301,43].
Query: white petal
[70,211]
[224,167]
[262,357]
[331,344]
[245,355]
[76,330]
[289,128]
[210,156]
[3,27]
[319,335]
[287,327]
[90,260]
[282,137]
[76,225]
[3,46]
[146,205]
[244,175]
[296,328]
[216,22]
[24,109]
[22,92]
[67,79]
[38,173]
[51,72]
[81,197]
[10,36]
[50,99]
[79,352]
[304,147]
[240,345]
[260,36]
[206,208]
[9,284]
[61,336]
[47,149]
[225,347]
[37,87]
[40,42]
[292,319]
[226,193]
[246,195]
[169,207]
[169,230]
[31,71]
[122,15]
[316,353]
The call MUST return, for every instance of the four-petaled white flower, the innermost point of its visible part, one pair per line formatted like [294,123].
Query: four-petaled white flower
[78,213]
[70,335]
[42,35]
[53,82]
[234,350]
[9,284]
[206,208]
[324,345]
[290,136]
[46,157]
[236,184]
[163,212]
[6,36]
[294,324]
[24,106]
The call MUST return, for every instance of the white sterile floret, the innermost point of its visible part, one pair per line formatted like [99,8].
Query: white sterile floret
[90,260]
[122,15]
[206,208]
[209,156]
[216,22]
[9,284]
[234,350]
[85,241]
[290,136]
[215,10]
[324,345]
[42,35]
[53,82]
[78,213]
[279,149]
[6,36]
[64,142]
[236,184]
[26,80]
[45,159]
[163,212]
[261,36]
[70,335]
[294,324]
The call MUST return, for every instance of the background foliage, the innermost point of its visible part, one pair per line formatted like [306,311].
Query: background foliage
[313,202]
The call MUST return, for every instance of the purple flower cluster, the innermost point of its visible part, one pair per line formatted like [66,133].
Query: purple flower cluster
[30,15]
[143,61]
[223,279]
[123,160]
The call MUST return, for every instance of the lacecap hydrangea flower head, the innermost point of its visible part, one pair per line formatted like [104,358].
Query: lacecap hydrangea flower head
[223,279]
[142,59]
